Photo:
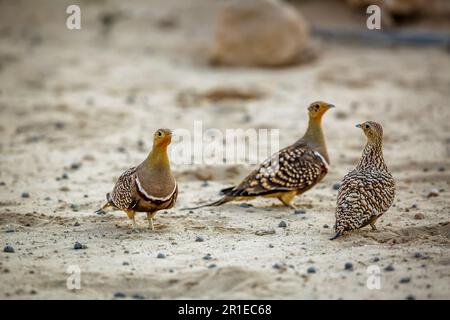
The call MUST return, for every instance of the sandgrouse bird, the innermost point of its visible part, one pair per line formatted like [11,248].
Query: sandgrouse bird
[150,186]
[290,171]
[368,191]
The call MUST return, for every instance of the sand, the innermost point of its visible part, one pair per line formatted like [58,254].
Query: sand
[79,107]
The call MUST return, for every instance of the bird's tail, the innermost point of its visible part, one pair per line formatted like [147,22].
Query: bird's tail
[337,235]
[107,204]
[212,204]
[226,191]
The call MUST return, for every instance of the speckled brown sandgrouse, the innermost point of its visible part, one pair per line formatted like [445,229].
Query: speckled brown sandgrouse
[150,186]
[368,191]
[290,171]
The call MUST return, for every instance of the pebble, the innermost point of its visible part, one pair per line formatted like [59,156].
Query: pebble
[125,263]
[325,226]
[65,176]
[76,224]
[279,266]
[212,265]
[410,297]
[418,255]
[405,280]
[161,256]
[441,169]
[282,224]
[207,257]
[2,183]
[414,206]
[300,211]
[311,270]
[419,216]
[245,205]
[8,249]
[376,259]
[205,184]
[25,195]
[199,239]
[119,295]
[138,296]
[389,268]
[348,266]
[433,193]
[271,245]
[79,246]
[75,166]
[336,186]
[10,231]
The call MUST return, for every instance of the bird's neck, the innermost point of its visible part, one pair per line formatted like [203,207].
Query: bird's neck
[372,157]
[158,159]
[315,138]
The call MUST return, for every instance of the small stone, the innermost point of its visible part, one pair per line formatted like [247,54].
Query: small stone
[76,224]
[282,224]
[433,193]
[161,256]
[300,211]
[199,239]
[405,280]
[207,257]
[271,245]
[79,246]
[212,265]
[60,125]
[25,195]
[441,169]
[418,255]
[279,266]
[410,297]
[138,296]
[419,216]
[376,259]
[65,176]
[75,166]
[245,205]
[125,263]
[119,295]
[2,183]
[8,249]
[337,185]
[348,266]
[325,226]
[205,184]
[414,206]
[311,270]
[389,268]
[47,198]
[10,231]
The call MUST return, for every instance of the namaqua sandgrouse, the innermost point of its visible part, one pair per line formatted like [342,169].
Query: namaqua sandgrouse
[290,171]
[367,191]
[150,186]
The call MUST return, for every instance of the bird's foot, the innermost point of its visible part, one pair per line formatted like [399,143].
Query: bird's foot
[150,224]
[134,227]
[374,228]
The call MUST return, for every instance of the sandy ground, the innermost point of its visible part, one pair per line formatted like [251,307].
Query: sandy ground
[79,107]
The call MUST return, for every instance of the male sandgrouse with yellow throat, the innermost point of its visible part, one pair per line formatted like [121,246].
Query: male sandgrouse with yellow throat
[290,171]
[150,186]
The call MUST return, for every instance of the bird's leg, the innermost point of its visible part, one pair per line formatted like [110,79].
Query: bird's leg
[131,215]
[150,216]
[372,223]
[286,199]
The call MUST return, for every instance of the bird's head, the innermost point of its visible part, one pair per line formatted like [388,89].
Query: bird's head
[317,109]
[162,137]
[372,130]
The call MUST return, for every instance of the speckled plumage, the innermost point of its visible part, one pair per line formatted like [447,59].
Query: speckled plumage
[366,192]
[290,171]
[150,186]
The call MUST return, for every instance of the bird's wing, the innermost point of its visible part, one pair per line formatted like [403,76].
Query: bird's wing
[123,194]
[292,168]
[364,195]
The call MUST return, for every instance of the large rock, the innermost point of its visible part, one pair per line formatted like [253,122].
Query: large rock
[259,33]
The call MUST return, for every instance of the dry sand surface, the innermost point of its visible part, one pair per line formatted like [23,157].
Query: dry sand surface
[79,107]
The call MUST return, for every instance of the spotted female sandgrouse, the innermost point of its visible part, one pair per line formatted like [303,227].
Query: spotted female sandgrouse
[368,191]
[150,186]
[290,171]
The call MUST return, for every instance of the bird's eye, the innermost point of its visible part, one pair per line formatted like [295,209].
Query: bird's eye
[316,106]
[367,126]
[159,134]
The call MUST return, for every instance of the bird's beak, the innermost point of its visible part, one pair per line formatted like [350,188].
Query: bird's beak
[331,106]
[359,125]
